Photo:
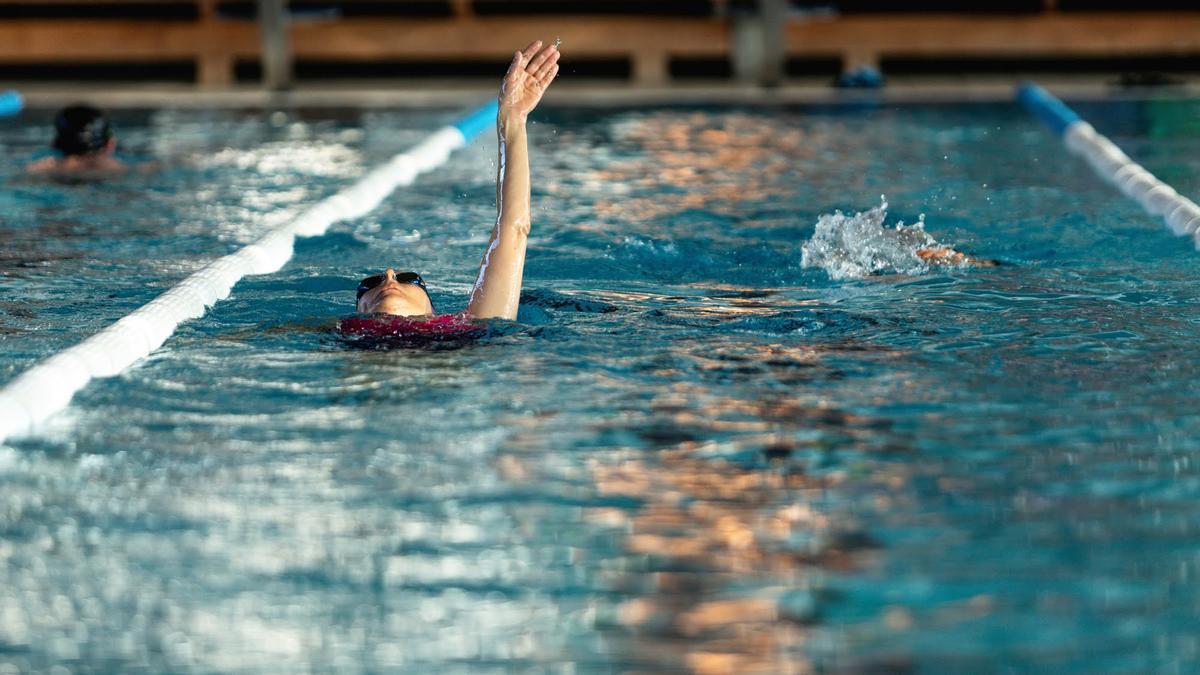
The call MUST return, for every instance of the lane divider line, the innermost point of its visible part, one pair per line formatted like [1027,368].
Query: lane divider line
[1181,214]
[47,387]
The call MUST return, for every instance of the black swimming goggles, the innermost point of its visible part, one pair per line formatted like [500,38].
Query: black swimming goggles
[402,277]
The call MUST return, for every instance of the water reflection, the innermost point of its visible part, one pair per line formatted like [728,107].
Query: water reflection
[713,494]
[723,557]
[676,162]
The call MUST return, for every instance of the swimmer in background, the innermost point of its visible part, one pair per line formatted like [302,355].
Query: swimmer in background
[497,288]
[932,252]
[85,144]
[944,255]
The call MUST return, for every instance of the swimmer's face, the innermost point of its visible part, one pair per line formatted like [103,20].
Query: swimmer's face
[395,297]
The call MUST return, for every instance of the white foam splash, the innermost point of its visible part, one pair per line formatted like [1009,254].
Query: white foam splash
[9,460]
[852,247]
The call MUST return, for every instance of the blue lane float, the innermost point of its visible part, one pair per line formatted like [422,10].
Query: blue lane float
[1181,214]
[46,388]
[470,125]
[11,103]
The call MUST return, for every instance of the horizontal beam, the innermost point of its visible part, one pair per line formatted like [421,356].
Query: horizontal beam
[649,42]
[1074,34]
[98,2]
[61,40]
[497,37]
[475,37]
[29,41]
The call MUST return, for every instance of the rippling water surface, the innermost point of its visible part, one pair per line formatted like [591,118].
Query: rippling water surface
[690,453]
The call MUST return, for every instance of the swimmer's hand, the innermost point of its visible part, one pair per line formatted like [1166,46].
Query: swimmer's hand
[941,255]
[944,255]
[531,72]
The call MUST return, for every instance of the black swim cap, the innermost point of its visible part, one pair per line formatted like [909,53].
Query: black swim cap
[80,129]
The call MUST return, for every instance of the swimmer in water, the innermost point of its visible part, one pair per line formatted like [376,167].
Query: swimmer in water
[944,255]
[497,288]
[85,144]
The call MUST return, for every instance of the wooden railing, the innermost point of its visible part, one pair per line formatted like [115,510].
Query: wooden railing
[215,42]
[870,38]
[211,42]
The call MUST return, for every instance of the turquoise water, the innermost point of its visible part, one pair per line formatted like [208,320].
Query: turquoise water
[690,453]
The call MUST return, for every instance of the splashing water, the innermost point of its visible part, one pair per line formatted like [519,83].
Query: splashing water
[851,247]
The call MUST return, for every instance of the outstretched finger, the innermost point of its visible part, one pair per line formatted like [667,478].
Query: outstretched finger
[515,66]
[536,62]
[532,49]
[546,78]
[545,66]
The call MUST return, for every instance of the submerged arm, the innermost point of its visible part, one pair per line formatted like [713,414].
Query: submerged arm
[497,290]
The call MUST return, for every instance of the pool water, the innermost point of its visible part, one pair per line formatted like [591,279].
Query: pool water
[689,453]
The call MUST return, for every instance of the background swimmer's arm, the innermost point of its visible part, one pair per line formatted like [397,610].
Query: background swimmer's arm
[941,255]
[944,255]
[497,289]
[43,165]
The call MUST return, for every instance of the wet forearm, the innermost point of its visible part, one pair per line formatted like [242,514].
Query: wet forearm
[513,209]
[497,290]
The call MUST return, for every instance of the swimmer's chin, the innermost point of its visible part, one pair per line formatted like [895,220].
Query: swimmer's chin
[380,314]
[399,304]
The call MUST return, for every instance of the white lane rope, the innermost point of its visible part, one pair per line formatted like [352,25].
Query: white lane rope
[47,387]
[1181,214]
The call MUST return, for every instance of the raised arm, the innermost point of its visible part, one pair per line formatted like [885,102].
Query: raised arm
[497,289]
